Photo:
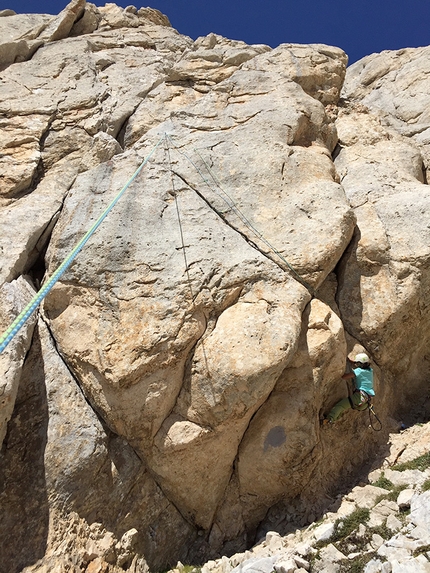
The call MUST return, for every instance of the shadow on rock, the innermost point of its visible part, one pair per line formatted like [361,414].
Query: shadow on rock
[24,516]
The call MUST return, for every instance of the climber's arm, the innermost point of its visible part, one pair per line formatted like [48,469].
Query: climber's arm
[348,375]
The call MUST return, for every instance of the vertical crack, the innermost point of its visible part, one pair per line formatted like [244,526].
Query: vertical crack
[36,264]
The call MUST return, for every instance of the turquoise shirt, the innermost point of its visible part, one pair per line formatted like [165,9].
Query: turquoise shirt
[364,380]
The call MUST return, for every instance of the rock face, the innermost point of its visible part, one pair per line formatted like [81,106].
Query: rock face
[165,402]
[378,527]
[383,164]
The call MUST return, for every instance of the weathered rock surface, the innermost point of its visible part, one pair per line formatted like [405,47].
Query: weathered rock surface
[14,296]
[168,404]
[382,167]
[96,486]
[365,530]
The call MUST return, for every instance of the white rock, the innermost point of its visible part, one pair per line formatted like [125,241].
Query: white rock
[381,511]
[393,523]
[285,566]
[352,556]
[402,541]
[303,549]
[414,565]
[274,540]
[404,498]
[302,563]
[239,558]
[394,553]
[421,533]
[407,477]
[374,566]
[420,510]
[323,532]
[377,541]
[262,565]
[375,475]
[346,508]
[365,496]
[330,553]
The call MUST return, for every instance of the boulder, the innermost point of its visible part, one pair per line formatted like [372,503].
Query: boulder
[60,26]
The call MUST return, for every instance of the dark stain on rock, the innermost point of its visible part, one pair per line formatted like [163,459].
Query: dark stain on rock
[275,438]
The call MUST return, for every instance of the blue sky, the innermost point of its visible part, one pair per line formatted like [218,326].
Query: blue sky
[359,27]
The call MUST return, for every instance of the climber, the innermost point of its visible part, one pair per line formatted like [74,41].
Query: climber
[361,398]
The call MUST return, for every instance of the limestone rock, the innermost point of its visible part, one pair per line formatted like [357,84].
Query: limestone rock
[324,532]
[213,58]
[382,511]
[317,68]
[20,139]
[331,554]
[286,566]
[415,565]
[209,409]
[390,246]
[302,563]
[18,33]
[408,445]
[366,496]
[377,566]
[393,523]
[387,550]
[404,499]
[419,510]
[88,22]
[31,233]
[253,565]
[392,84]
[390,205]
[71,457]
[407,477]
[60,26]
[169,401]
[115,17]
[14,297]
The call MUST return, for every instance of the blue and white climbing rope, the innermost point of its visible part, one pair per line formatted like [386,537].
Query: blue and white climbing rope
[215,187]
[22,318]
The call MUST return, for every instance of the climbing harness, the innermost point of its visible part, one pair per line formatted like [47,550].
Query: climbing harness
[216,188]
[22,318]
[369,406]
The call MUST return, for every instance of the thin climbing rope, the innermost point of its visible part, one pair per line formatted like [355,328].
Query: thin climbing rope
[233,207]
[175,195]
[22,318]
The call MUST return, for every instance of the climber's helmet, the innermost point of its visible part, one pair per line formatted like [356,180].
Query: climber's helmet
[362,358]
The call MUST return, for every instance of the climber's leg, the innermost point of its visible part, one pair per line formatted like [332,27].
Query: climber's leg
[338,409]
